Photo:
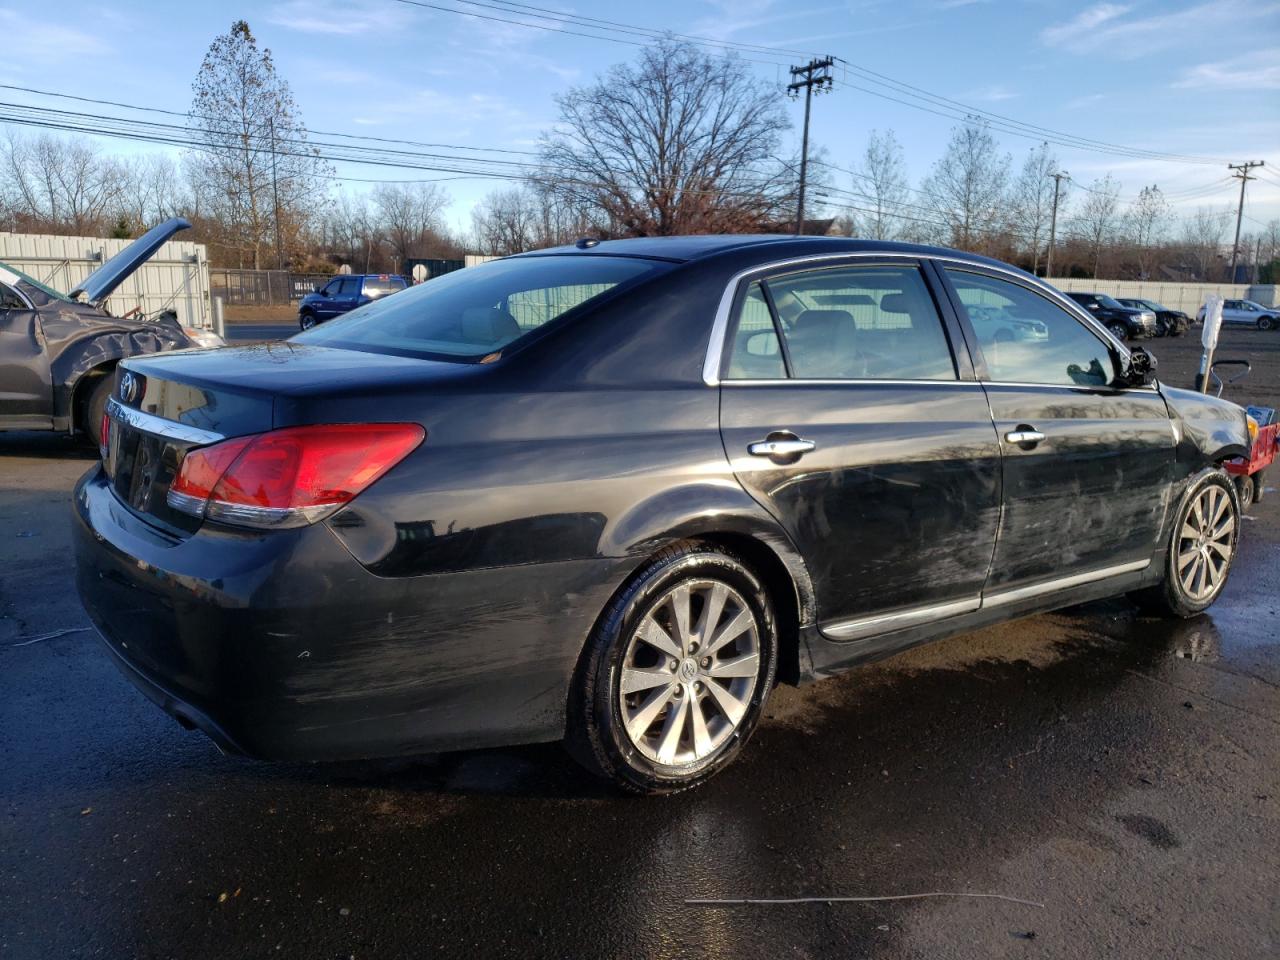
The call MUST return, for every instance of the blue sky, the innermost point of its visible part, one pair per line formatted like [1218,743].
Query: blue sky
[1194,78]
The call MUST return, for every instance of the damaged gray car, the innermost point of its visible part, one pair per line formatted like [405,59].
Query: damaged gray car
[58,349]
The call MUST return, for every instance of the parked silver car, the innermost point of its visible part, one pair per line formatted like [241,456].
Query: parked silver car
[1247,311]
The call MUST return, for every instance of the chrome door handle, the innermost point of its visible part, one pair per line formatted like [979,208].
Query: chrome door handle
[780,448]
[1024,436]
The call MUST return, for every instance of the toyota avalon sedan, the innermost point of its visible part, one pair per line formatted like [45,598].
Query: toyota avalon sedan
[613,493]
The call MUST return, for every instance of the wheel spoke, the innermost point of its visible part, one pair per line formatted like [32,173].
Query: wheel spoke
[680,616]
[701,736]
[744,666]
[1223,528]
[1218,506]
[1221,549]
[730,631]
[1211,573]
[711,611]
[1199,515]
[634,679]
[638,725]
[729,705]
[1189,532]
[1186,558]
[657,638]
[669,738]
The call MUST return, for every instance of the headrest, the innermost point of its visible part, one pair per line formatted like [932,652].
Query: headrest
[896,303]
[488,325]
[812,320]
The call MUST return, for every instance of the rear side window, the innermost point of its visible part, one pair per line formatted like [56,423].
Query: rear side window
[477,311]
[375,287]
[872,322]
[1027,339]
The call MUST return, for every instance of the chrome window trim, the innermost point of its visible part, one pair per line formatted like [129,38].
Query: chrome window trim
[863,627]
[150,423]
[720,326]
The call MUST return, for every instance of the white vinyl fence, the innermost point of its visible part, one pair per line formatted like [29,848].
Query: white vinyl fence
[1186,297]
[176,277]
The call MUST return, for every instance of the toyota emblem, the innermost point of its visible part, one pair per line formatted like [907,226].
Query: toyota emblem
[130,387]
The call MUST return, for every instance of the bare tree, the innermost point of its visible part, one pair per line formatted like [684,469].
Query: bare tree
[680,142]
[966,188]
[1098,219]
[506,221]
[1202,239]
[1145,221]
[882,178]
[1031,202]
[253,167]
[408,217]
[57,185]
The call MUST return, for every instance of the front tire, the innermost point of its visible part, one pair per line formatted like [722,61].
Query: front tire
[306,320]
[676,673]
[1119,331]
[95,406]
[1266,323]
[1202,548]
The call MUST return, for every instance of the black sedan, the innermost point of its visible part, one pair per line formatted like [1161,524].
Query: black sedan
[613,493]
[1169,323]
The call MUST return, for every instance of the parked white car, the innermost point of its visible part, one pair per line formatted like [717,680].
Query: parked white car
[1247,311]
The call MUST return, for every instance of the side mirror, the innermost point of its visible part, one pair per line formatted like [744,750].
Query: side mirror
[1141,368]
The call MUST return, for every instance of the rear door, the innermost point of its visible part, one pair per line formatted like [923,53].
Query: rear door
[1087,463]
[851,413]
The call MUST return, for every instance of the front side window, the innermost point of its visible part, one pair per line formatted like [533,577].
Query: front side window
[477,311]
[1025,338]
[867,322]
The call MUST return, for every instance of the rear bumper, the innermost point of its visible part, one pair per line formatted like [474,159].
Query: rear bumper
[282,646]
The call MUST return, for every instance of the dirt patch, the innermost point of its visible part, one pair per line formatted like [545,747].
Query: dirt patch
[258,314]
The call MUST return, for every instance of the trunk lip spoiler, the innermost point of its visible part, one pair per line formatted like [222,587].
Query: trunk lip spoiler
[104,281]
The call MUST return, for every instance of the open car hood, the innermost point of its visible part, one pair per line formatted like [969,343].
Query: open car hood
[103,282]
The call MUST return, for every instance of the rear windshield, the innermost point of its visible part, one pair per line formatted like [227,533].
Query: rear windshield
[375,287]
[477,311]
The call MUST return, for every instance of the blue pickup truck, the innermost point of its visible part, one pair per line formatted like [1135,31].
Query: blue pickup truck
[343,294]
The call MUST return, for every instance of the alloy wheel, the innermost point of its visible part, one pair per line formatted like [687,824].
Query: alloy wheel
[689,672]
[1205,543]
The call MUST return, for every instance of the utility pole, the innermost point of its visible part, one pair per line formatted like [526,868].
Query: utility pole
[1053,218]
[815,73]
[1243,177]
[275,194]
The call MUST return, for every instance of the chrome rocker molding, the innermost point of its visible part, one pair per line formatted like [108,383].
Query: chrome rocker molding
[150,423]
[859,629]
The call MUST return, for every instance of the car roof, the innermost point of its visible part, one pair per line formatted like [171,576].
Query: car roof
[769,246]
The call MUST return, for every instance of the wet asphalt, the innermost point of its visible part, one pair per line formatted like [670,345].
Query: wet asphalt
[1120,773]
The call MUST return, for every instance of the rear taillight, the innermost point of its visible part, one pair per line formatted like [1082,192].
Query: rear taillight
[289,477]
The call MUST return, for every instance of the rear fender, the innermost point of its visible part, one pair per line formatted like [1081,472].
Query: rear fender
[717,511]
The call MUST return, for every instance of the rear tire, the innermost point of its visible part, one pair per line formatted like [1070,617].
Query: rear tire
[676,672]
[95,406]
[1202,547]
[1244,490]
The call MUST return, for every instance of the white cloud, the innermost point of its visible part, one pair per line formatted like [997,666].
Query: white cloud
[1082,25]
[1119,30]
[1256,71]
[36,41]
[337,19]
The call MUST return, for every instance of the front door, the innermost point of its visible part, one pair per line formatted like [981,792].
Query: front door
[26,393]
[1088,464]
[847,414]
